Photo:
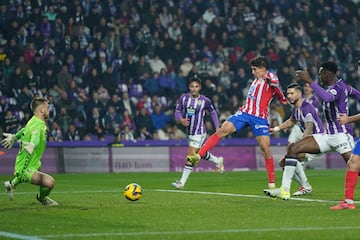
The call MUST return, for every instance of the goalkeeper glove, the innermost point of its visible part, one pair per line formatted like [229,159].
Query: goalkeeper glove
[29,147]
[9,140]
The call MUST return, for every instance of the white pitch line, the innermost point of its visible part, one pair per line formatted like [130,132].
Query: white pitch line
[185,191]
[245,195]
[185,232]
[9,235]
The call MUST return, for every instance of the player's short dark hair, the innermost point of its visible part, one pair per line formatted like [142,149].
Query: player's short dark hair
[259,62]
[330,66]
[294,85]
[195,78]
[37,102]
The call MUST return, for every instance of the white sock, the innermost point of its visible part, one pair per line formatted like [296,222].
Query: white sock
[185,174]
[297,178]
[211,158]
[289,170]
[301,174]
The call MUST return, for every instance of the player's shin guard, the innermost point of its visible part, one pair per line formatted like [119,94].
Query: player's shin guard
[270,169]
[44,192]
[209,144]
[351,179]
[288,174]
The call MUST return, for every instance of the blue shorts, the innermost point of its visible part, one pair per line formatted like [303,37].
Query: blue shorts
[356,149]
[259,126]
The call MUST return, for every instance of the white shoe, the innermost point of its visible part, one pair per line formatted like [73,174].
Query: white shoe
[177,185]
[220,165]
[303,191]
[47,201]
[9,190]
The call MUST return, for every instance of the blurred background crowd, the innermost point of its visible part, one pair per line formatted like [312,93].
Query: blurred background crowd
[114,69]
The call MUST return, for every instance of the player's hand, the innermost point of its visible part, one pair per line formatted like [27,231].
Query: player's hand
[274,130]
[29,147]
[9,140]
[185,122]
[343,118]
[303,75]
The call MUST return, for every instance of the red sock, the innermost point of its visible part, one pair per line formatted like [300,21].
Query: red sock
[351,178]
[209,144]
[270,168]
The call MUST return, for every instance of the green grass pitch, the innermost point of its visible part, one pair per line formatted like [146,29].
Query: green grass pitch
[212,206]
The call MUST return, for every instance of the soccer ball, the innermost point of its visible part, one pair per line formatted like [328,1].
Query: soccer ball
[133,192]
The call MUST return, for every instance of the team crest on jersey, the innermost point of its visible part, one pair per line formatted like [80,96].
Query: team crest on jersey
[252,92]
[333,91]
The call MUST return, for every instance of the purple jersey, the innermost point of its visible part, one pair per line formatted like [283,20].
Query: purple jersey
[335,102]
[195,109]
[307,113]
[314,101]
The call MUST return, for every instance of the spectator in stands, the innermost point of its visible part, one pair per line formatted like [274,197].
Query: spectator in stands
[166,83]
[72,133]
[95,123]
[144,124]
[63,119]
[151,84]
[113,121]
[159,118]
[10,123]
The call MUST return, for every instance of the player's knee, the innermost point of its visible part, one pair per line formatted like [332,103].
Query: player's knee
[49,183]
[292,150]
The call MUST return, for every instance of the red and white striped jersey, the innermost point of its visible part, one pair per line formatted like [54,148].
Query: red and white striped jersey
[260,94]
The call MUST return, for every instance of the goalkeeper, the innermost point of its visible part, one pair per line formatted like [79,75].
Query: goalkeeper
[32,146]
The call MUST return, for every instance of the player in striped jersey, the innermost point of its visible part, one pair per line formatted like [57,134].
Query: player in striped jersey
[190,112]
[305,116]
[338,136]
[253,113]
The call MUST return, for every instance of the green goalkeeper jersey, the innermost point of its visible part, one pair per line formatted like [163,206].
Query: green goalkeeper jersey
[34,132]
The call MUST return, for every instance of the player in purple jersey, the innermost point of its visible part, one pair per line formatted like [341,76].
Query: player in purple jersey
[190,112]
[304,115]
[296,134]
[310,97]
[338,136]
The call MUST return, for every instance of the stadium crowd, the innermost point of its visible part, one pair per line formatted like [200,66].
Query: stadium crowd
[116,68]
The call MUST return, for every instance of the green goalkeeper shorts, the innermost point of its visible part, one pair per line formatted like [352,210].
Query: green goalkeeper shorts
[26,175]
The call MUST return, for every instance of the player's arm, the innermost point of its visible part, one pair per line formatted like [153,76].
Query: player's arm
[353,92]
[287,124]
[322,93]
[345,119]
[215,119]
[10,138]
[280,95]
[179,114]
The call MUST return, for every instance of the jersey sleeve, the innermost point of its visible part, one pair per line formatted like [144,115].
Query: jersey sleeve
[179,108]
[272,79]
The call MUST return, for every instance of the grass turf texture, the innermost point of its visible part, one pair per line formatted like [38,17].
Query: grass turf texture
[212,206]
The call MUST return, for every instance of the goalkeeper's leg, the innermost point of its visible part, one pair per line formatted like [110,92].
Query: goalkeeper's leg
[46,183]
